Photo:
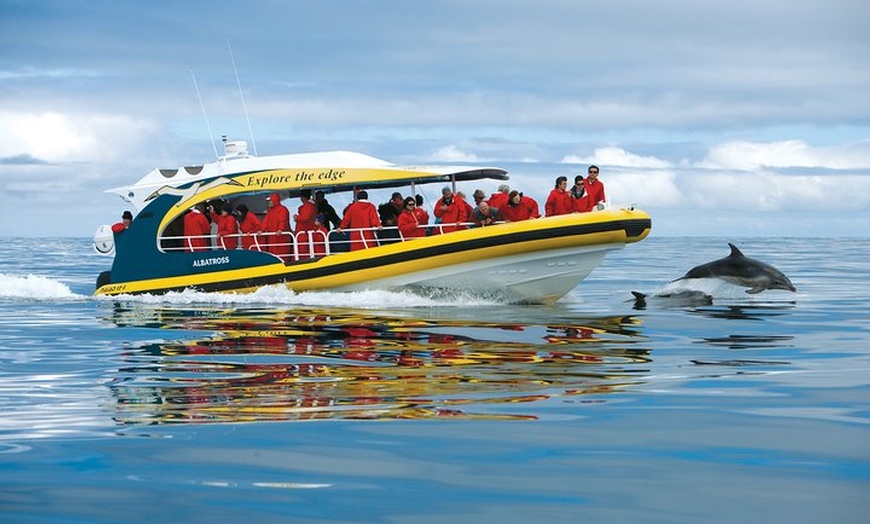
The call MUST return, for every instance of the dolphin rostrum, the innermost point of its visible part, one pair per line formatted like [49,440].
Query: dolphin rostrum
[742,271]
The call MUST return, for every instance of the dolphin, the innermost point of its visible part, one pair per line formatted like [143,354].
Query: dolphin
[742,271]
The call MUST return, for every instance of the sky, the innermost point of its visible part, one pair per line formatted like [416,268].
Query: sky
[733,119]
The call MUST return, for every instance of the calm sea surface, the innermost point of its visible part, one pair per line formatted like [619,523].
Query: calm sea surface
[387,407]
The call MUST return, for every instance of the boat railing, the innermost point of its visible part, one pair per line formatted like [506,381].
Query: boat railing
[304,245]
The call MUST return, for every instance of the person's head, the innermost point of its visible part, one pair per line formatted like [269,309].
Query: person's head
[419,200]
[305,195]
[446,195]
[478,195]
[274,199]
[561,182]
[242,210]
[514,197]
[592,172]
[578,180]
[127,217]
[362,195]
[504,188]
[319,196]
[226,209]
[396,197]
[409,203]
[483,206]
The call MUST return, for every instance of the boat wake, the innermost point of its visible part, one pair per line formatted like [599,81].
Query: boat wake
[35,287]
[279,295]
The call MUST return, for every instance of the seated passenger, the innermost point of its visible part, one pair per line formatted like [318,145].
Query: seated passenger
[409,223]
[388,212]
[478,196]
[560,201]
[485,215]
[579,188]
[420,211]
[469,209]
[594,188]
[499,199]
[520,207]
[451,210]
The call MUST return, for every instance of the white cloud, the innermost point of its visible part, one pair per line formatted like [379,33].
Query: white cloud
[770,191]
[787,153]
[60,137]
[654,188]
[452,153]
[617,156]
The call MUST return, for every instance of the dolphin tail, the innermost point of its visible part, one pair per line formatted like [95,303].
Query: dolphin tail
[639,300]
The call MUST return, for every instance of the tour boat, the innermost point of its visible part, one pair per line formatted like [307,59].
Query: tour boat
[531,261]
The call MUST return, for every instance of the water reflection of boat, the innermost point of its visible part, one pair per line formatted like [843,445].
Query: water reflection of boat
[325,364]
[532,261]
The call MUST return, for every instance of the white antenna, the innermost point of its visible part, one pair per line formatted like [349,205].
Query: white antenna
[207,126]
[242,95]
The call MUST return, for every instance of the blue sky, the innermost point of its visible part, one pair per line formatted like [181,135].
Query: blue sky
[740,118]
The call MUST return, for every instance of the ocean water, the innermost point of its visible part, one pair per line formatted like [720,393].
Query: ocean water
[389,407]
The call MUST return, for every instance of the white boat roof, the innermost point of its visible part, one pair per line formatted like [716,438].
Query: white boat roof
[242,162]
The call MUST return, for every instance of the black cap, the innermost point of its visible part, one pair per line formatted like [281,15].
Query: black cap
[127,215]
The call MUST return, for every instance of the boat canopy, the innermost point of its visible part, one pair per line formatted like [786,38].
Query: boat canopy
[331,172]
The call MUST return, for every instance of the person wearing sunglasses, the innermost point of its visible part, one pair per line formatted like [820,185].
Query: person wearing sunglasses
[594,197]
[409,223]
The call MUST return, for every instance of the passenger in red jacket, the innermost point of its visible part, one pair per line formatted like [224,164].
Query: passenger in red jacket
[197,230]
[304,219]
[126,219]
[361,214]
[306,213]
[451,209]
[320,234]
[560,201]
[249,226]
[520,207]
[499,199]
[594,192]
[409,223]
[420,212]
[276,225]
[469,209]
[312,242]
[228,228]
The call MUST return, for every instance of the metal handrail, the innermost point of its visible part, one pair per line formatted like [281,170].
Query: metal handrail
[311,240]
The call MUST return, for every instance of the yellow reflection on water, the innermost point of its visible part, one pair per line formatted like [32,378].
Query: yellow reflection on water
[314,364]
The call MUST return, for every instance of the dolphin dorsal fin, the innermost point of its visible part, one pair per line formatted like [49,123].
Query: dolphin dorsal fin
[734,251]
